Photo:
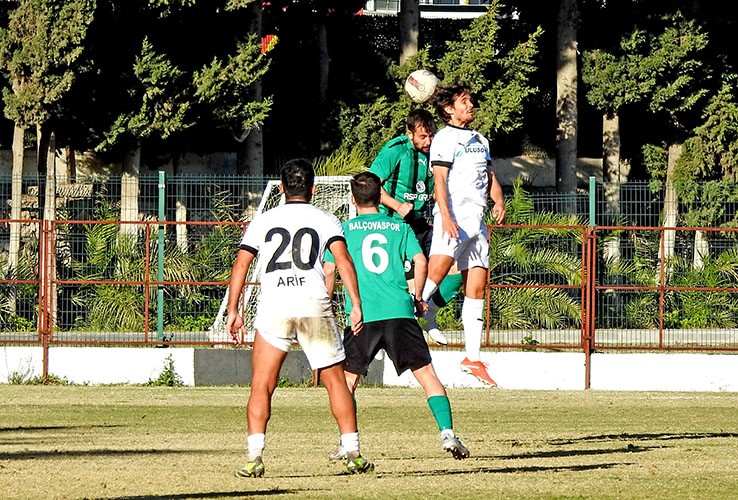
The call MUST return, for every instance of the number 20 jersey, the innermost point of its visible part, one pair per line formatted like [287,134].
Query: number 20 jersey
[290,241]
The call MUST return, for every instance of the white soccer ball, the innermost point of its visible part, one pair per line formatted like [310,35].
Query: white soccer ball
[420,85]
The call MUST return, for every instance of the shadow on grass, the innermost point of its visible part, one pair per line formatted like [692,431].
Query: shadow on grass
[30,428]
[210,494]
[571,453]
[504,470]
[26,454]
[663,436]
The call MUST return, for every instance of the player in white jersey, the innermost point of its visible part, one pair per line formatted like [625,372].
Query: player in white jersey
[464,180]
[294,305]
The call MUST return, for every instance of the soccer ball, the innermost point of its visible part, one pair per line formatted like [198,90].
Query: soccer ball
[420,85]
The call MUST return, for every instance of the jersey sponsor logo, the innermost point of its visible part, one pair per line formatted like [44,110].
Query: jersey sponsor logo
[475,149]
[420,187]
[368,225]
[414,196]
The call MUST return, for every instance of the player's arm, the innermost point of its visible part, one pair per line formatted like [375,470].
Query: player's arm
[329,269]
[495,194]
[345,266]
[420,275]
[402,208]
[449,226]
[234,321]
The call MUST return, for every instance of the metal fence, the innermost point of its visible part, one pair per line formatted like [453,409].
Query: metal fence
[86,278]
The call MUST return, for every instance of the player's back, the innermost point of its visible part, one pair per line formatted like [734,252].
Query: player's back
[379,247]
[291,240]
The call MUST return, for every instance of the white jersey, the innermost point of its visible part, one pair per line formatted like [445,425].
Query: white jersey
[466,154]
[290,241]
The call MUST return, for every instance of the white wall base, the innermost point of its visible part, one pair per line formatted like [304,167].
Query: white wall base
[511,370]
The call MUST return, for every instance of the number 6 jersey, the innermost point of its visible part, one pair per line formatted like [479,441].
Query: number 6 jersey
[290,241]
[379,247]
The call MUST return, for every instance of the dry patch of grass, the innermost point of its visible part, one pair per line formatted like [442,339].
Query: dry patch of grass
[71,442]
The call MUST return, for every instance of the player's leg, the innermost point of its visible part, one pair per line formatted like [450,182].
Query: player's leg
[328,359]
[438,267]
[266,361]
[342,407]
[448,289]
[440,407]
[472,314]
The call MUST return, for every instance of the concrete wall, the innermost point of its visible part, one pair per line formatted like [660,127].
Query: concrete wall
[511,370]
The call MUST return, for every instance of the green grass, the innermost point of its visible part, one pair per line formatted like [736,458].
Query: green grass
[120,442]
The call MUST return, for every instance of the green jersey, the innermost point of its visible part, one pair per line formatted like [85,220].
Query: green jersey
[406,176]
[379,247]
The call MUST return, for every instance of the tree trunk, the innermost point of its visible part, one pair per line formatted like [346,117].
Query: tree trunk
[566,97]
[180,210]
[409,28]
[250,152]
[129,189]
[16,194]
[614,175]
[324,59]
[671,200]
[701,249]
[50,215]
[50,192]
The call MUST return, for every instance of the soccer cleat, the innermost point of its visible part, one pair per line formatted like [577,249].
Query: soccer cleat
[252,469]
[437,336]
[338,454]
[359,465]
[455,447]
[479,370]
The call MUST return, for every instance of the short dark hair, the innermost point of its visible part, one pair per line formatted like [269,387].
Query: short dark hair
[420,118]
[445,96]
[366,188]
[298,178]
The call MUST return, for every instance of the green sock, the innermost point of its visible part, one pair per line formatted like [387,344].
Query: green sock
[441,409]
[448,289]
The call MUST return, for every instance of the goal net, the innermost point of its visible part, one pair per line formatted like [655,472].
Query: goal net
[332,194]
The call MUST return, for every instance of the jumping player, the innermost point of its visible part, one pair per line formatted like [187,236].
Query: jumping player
[291,240]
[407,193]
[464,181]
[380,245]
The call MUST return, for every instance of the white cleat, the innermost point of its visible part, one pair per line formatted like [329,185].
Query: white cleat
[437,336]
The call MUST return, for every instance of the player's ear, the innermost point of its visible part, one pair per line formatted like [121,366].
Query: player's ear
[353,200]
[312,190]
[281,188]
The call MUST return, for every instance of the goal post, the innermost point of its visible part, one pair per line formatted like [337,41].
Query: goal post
[332,194]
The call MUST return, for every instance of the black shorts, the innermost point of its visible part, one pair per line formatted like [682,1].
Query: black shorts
[402,339]
[423,232]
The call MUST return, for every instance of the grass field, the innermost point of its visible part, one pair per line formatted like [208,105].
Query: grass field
[123,442]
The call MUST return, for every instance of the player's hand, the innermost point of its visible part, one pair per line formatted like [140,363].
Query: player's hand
[234,326]
[405,208]
[357,321]
[450,228]
[421,307]
[498,212]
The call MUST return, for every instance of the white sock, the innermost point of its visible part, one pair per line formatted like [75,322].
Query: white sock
[447,433]
[471,317]
[350,442]
[429,289]
[255,443]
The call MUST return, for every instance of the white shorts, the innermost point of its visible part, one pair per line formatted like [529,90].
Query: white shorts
[471,249]
[319,337]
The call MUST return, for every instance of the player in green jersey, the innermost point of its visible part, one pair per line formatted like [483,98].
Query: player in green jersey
[407,194]
[379,246]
